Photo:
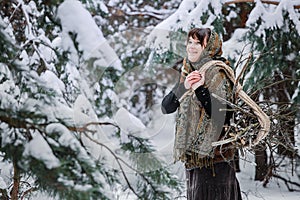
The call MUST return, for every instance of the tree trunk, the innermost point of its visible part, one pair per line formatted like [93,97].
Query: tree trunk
[237,162]
[16,184]
[261,160]
[286,132]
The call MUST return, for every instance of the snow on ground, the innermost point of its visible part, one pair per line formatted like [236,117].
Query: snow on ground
[254,190]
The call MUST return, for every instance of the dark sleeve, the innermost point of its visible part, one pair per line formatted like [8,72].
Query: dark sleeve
[170,103]
[203,96]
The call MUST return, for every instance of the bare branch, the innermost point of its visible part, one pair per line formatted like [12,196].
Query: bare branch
[235,138]
[119,160]
[121,13]
[273,84]
[232,105]
[244,69]
[287,182]
[28,192]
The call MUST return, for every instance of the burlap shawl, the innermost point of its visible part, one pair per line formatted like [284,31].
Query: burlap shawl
[196,132]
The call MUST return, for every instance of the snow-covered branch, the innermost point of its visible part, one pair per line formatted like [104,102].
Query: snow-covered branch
[145,12]
[253,1]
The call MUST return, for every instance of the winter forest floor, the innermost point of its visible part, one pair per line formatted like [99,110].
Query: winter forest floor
[251,190]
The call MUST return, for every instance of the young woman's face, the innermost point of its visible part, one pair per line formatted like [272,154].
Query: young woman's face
[194,49]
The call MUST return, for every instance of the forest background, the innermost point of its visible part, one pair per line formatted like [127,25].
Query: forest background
[81,84]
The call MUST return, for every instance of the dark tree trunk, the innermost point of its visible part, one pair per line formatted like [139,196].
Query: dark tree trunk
[237,162]
[287,122]
[16,183]
[261,160]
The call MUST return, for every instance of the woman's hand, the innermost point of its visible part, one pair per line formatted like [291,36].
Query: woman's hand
[194,80]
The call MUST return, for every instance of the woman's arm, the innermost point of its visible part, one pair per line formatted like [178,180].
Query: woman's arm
[204,97]
[170,103]
[216,83]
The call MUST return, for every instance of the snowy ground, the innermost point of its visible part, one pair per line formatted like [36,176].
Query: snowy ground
[253,190]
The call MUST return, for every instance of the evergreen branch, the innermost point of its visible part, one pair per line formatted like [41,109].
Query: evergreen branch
[273,84]
[118,159]
[27,20]
[252,1]
[18,122]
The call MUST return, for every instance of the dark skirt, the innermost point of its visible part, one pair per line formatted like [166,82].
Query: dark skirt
[217,183]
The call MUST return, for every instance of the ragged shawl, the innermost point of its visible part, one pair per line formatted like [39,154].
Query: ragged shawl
[196,132]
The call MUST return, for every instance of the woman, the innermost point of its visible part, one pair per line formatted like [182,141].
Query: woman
[202,119]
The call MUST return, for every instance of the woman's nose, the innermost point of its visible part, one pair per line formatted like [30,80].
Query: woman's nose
[193,45]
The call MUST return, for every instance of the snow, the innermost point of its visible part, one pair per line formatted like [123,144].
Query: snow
[2,183]
[129,124]
[76,19]
[158,38]
[39,149]
[275,189]
[272,17]
[53,82]
[67,139]
[88,35]
[297,92]
[83,187]
[103,7]
[188,15]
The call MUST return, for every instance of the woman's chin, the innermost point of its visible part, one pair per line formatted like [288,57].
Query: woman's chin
[192,58]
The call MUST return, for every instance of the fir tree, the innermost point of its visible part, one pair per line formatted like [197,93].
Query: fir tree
[51,107]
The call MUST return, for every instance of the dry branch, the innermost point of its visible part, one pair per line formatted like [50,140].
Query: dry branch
[288,183]
[119,162]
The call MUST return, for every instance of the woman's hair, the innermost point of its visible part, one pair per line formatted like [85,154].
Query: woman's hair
[200,34]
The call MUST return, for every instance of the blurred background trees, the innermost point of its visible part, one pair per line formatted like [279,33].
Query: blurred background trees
[60,88]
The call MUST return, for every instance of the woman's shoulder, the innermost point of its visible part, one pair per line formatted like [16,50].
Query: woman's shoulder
[215,73]
[178,64]
[218,66]
[214,69]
